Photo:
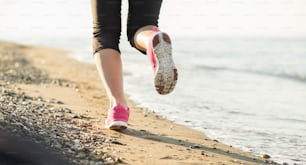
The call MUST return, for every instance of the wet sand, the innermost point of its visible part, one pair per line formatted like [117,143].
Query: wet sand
[61,104]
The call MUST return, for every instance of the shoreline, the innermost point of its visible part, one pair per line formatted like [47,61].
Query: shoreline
[74,92]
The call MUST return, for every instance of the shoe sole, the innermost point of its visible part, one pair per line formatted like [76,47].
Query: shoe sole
[166,74]
[117,125]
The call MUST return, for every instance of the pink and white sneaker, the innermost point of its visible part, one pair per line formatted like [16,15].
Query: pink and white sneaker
[160,55]
[117,118]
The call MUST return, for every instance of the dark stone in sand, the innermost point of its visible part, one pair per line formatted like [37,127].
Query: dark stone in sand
[266,156]
[195,146]
[166,157]
[60,102]
[118,143]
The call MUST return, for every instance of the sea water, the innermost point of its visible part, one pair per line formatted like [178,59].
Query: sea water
[246,92]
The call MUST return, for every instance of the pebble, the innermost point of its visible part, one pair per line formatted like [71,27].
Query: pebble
[236,161]
[109,159]
[118,143]
[66,110]
[52,101]
[145,113]
[81,155]
[195,146]
[57,145]
[59,102]
[166,157]
[118,160]
[266,156]
[53,109]
[39,98]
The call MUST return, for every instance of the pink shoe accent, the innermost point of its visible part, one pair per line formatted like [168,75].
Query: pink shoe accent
[117,117]
[160,55]
[150,50]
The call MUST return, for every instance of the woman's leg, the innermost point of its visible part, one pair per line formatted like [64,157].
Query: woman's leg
[144,35]
[107,29]
[108,62]
[144,15]
[158,48]
[106,35]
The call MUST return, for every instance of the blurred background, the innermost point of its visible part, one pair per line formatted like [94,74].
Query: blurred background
[180,17]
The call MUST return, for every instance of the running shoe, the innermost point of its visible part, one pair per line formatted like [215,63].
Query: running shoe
[117,118]
[160,55]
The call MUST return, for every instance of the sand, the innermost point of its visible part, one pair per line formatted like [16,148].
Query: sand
[150,139]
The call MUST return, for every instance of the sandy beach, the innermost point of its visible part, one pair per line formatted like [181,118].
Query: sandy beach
[61,103]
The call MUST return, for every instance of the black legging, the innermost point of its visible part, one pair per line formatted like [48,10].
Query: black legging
[107,21]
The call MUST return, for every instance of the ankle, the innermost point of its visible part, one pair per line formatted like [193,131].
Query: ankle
[115,103]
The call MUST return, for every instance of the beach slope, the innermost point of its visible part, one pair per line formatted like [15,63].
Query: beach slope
[60,102]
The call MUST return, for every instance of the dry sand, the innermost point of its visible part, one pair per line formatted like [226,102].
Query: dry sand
[70,84]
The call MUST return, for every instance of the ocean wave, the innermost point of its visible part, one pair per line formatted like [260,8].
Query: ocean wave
[295,120]
[293,75]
